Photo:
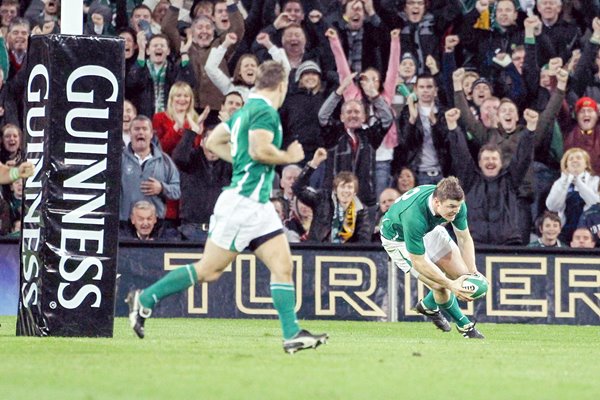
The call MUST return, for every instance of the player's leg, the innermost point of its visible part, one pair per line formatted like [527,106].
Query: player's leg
[275,254]
[445,254]
[214,261]
[141,302]
[427,306]
[219,251]
[274,251]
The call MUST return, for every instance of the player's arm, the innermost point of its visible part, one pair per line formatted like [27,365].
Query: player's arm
[467,248]
[429,271]
[262,149]
[219,142]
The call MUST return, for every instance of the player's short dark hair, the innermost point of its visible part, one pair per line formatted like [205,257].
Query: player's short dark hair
[345,177]
[449,189]
[270,75]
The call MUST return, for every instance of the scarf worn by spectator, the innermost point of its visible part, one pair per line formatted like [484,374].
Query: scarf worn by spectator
[344,222]
[158,79]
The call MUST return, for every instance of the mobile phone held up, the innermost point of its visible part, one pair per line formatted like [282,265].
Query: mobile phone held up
[145,26]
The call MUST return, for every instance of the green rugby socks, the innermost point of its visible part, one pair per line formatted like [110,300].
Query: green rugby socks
[451,307]
[429,302]
[175,281]
[284,300]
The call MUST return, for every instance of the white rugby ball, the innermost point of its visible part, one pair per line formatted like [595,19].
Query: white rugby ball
[477,284]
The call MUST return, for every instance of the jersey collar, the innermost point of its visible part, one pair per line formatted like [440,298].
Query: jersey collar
[258,96]
[430,204]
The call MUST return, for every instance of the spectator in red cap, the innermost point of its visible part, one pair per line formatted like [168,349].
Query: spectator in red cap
[586,133]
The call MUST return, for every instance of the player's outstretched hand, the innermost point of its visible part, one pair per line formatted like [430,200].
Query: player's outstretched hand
[295,152]
[457,288]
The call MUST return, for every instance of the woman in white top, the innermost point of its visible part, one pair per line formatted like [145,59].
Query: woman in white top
[574,192]
[244,74]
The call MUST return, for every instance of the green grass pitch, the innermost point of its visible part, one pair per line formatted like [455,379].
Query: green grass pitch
[243,359]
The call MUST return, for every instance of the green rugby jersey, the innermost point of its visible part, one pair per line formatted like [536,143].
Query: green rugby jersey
[251,178]
[411,217]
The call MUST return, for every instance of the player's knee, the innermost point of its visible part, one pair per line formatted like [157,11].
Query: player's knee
[207,275]
[210,277]
[282,274]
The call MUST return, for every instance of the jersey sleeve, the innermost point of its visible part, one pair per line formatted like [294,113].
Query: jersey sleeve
[413,227]
[460,222]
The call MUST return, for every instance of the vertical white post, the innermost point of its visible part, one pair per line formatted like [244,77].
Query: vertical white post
[71,17]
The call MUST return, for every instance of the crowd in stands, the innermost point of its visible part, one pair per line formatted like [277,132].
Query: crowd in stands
[383,95]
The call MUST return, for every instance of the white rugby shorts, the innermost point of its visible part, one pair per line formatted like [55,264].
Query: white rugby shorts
[438,243]
[237,221]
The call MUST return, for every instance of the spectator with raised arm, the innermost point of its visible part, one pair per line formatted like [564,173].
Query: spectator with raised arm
[339,216]
[361,33]
[141,17]
[422,142]
[385,152]
[563,35]
[586,77]
[352,139]
[206,33]
[294,12]
[540,84]
[405,81]
[421,31]
[309,97]
[244,74]
[500,38]
[492,187]
[507,135]
[151,78]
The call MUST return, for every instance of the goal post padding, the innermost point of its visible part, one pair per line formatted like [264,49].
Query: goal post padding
[73,112]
